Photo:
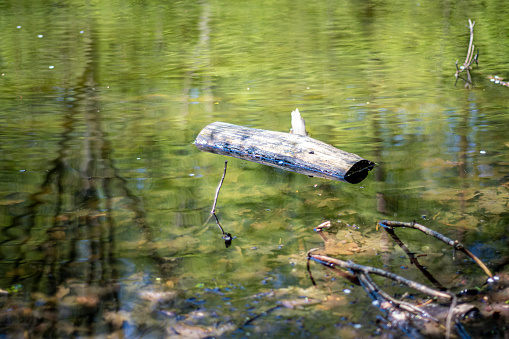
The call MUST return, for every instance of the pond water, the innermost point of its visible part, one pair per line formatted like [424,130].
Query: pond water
[104,199]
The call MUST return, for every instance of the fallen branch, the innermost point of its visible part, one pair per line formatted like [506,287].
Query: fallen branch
[415,320]
[454,243]
[332,262]
[413,259]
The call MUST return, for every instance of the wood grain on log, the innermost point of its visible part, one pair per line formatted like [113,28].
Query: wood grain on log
[287,151]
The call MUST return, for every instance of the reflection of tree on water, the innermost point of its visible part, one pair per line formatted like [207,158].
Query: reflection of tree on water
[74,220]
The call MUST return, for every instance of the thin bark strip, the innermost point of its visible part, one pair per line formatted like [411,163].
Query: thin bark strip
[291,152]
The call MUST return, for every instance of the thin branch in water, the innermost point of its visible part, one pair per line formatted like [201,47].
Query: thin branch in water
[350,277]
[388,303]
[331,262]
[469,60]
[213,210]
[227,237]
[414,260]
[259,315]
[309,272]
[448,322]
[454,243]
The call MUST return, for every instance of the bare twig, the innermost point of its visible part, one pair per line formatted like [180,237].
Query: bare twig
[382,297]
[454,243]
[213,210]
[413,259]
[227,237]
[471,46]
[331,262]
[259,315]
[350,277]
[469,60]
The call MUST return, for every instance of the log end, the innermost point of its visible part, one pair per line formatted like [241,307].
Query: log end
[359,171]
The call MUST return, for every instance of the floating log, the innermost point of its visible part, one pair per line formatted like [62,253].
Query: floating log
[291,152]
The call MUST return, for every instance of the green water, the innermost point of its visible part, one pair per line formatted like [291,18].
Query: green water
[103,196]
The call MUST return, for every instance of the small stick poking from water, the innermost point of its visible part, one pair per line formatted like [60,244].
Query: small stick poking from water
[213,210]
[227,237]
[469,60]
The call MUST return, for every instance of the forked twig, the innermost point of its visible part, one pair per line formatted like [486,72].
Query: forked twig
[332,262]
[413,259]
[454,243]
[469,60]
[401,314]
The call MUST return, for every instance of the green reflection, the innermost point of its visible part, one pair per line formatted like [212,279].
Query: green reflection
[103,196]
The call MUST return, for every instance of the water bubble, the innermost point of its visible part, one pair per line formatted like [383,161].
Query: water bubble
[347,291]
[40,36]
[482,152]
[18,27]
[51,67]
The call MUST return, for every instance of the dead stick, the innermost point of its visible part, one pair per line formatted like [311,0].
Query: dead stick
[448,321]
[259,315]
[380,295]
[470,52]
[454,243]
[350,277]
[330,262]
[413,259]
[213,210]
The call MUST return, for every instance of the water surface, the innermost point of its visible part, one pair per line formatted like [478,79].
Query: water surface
[103,196]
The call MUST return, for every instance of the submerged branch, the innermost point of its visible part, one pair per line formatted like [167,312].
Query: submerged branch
[414,320]
[413,259]
[453,243]
[331,262]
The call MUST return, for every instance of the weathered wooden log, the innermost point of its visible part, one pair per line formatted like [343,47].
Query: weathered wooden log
[287,151]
